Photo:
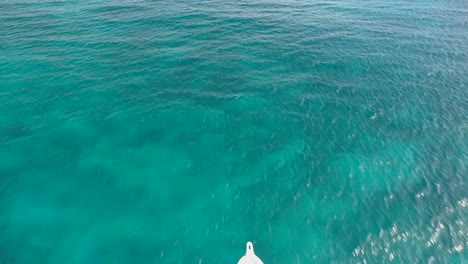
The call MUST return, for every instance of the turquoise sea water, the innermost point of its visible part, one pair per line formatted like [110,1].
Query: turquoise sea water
[140,131]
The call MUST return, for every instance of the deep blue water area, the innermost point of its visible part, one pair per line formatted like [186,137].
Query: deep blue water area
[140,131]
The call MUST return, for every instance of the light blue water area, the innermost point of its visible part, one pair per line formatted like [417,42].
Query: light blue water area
[141,131]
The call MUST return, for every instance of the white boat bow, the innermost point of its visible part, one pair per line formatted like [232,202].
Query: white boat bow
[250,257]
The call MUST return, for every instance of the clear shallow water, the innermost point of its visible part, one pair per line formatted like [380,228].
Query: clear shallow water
[175,131]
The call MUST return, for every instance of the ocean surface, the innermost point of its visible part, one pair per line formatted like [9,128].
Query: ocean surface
[140,131]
